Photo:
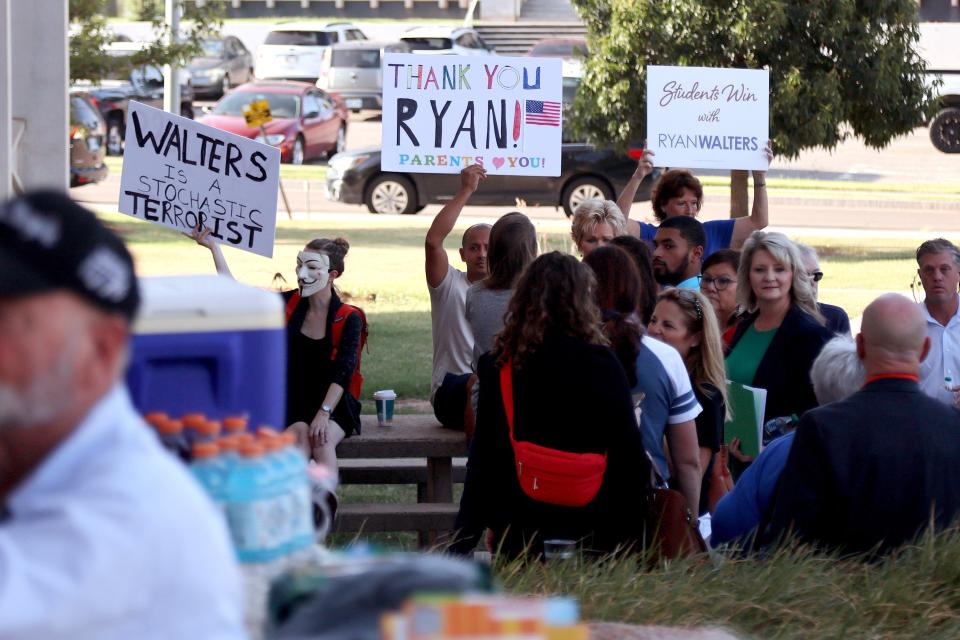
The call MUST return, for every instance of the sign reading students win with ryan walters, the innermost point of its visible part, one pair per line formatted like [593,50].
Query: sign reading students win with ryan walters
[444,113]
[178,173]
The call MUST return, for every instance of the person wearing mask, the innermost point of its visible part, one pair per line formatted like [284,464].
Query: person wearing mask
[782,331]
[870,473]
[103,534]
[679,193]
[836,318]
[683,320]
[719,284]
[678,253]
[595,223]
[452,337]
[656,372]
[938,265]
[554,347]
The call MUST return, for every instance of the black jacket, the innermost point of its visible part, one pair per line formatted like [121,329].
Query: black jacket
[837,319]
[784,370]
[572,396]
[868,470]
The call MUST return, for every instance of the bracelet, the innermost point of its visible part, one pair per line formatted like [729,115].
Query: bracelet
[759,184]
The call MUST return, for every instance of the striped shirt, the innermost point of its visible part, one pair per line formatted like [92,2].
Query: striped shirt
[667,396]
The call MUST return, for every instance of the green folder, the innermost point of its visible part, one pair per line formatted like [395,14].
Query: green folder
[747,405]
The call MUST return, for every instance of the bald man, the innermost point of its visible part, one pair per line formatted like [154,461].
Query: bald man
[869,473]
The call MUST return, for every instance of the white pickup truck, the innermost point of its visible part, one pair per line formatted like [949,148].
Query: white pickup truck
[945,126]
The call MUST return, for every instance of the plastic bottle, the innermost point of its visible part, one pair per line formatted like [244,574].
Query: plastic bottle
[302,534]
[247,505]
[155,418]
[172,438]
[949,380]
[191,422]
[777,427]
[210,472]
[207,431]
[235,424]
[280,495]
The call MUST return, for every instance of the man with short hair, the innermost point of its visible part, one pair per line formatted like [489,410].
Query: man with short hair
[869,473]
[103,534]
[452,336]
[678,253]
[938,265]
[837,319]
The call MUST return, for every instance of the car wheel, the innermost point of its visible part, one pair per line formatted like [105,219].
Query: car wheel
[391,193]
[945,130]
[296,157]
[225,85]
[115,137]
[341,142]
[587,188]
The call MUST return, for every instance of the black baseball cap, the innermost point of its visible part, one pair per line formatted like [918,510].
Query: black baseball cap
[49,242]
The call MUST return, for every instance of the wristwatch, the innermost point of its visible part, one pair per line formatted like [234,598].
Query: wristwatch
[327,408]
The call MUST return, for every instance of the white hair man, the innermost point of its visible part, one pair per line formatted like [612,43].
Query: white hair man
[837,319]
[102,533]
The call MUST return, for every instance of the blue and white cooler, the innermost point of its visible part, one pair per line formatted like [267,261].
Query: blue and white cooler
[209,344]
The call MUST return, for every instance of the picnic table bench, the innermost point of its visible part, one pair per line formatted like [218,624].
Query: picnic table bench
[414,450]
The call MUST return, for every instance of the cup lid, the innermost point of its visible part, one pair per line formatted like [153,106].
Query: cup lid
[385,394]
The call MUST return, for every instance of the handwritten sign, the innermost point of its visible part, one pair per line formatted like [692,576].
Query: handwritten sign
[257,113]
[177,173]
[444,113]
[707,118]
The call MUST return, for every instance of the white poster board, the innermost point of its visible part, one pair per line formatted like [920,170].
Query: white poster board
[705,118]
[444,113]
[177,172]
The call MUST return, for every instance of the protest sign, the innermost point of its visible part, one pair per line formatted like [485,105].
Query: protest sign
[178,173]
[444,113]
[706,118]
[257,113]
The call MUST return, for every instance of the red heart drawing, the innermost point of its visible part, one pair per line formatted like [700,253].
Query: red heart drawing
[498,162]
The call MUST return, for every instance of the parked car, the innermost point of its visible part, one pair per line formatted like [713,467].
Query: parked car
[945,126]
[352,70]
[224,63]
[293,51]
[143,84]
[459,41]
[355,177]
[571,52]
[307,123]
[87,136]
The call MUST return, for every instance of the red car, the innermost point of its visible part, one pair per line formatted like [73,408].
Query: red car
[307,122]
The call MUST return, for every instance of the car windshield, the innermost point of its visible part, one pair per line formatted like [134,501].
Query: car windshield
[357,58]
[428,44]
[559,50]
[212,48]
[82,113]
[282,105]
[299,38]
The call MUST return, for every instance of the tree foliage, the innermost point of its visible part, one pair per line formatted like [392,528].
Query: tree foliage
[837,67]
[89,33]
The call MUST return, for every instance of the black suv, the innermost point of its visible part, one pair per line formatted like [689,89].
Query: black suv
[586,172]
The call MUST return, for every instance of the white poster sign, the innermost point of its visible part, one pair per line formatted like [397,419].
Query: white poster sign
[444,113]
[177,173]
[705,118]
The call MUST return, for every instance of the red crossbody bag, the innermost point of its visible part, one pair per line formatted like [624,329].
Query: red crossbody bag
[551,475]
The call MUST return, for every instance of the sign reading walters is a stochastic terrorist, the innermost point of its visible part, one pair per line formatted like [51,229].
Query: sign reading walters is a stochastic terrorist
[444,113]
[178,173]
[705,118]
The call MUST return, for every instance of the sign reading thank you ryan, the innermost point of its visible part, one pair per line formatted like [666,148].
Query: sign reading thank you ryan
[178,173]
[444,113]
[705,118]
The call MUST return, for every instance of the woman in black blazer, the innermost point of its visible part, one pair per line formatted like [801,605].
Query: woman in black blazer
[569,393]
[782,332]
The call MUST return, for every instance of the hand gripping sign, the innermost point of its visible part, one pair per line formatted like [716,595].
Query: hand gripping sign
[179,173]
[444,113]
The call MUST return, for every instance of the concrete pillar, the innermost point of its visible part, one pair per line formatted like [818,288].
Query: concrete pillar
[500,10]
[37,93]
[6,139]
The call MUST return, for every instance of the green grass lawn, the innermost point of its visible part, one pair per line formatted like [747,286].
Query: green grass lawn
[384,275]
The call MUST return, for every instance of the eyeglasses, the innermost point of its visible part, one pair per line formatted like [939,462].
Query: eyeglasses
[719,283]
[816,275]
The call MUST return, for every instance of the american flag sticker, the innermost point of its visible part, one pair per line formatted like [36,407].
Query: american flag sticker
[543,113]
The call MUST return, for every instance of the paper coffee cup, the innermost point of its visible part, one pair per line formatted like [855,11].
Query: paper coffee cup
[385,400]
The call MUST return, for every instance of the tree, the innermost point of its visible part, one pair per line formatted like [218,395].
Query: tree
[89,33]
[837,67]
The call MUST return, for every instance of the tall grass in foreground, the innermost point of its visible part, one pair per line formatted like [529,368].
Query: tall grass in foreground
[796,593]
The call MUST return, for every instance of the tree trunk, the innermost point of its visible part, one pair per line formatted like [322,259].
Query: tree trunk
[739,201]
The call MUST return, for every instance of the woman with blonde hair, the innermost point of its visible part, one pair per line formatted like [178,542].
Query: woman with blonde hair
[782,331]
[596,223]
[684,320]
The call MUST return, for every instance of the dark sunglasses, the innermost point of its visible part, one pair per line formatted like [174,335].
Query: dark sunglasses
[816,275]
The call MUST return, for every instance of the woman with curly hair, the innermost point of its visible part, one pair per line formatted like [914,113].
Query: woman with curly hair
[569,393]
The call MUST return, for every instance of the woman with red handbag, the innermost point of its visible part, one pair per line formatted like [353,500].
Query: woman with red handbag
[557,452]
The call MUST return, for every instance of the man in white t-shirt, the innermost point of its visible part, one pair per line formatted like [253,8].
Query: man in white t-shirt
[452,337]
